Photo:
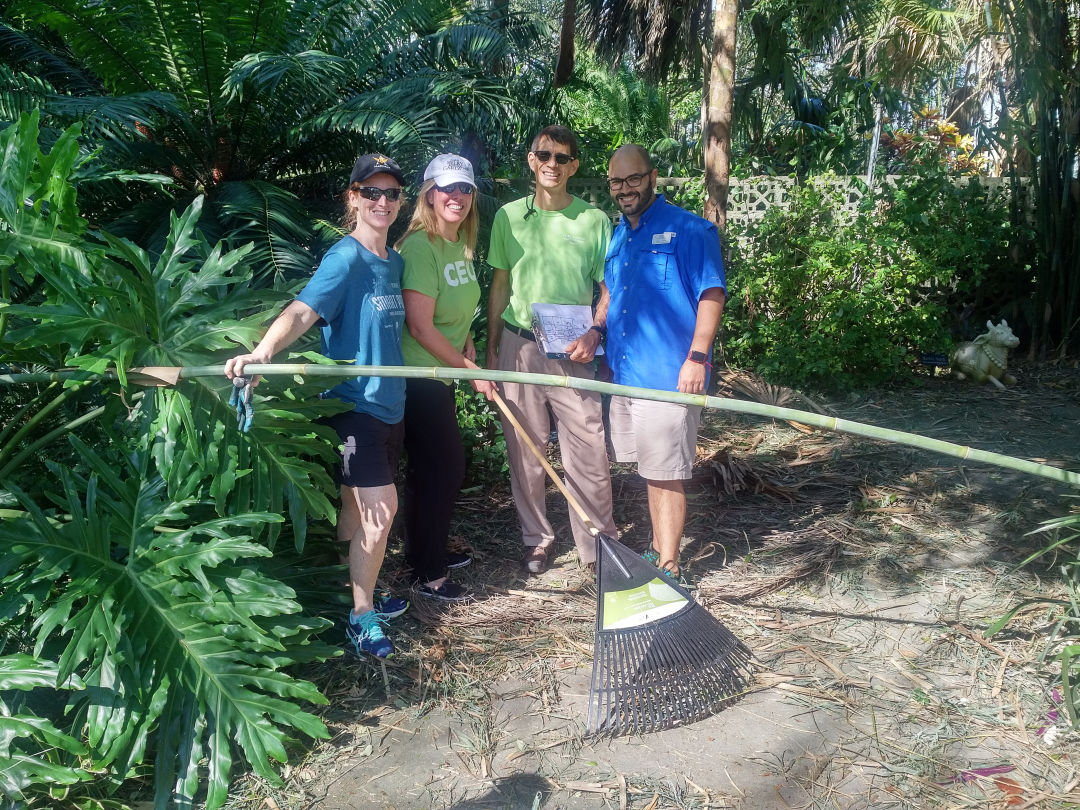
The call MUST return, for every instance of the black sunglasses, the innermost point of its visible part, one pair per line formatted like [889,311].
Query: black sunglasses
[460,188]
[374,192]
[544,156]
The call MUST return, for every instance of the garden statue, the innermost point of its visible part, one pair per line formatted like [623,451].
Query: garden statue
[985,358]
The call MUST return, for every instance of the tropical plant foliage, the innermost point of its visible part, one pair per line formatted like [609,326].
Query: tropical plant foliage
[1044,38]
[132,567]
[823,302]
[143,619]
[178,642]
[1060,555]
[609,107]
[262,109]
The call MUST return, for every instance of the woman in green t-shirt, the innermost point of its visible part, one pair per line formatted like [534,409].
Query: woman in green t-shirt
[441,295]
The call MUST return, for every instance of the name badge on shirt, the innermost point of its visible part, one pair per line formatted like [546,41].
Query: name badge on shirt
[663,238]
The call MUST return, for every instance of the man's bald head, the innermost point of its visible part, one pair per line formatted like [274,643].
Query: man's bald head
[639,152]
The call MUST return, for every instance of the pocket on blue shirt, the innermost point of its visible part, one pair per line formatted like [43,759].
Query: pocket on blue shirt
[658,262]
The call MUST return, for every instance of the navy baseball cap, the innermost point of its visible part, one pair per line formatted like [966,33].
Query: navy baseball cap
[370,165]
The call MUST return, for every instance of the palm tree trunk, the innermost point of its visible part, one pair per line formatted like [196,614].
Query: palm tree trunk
[564,69]
[718,115]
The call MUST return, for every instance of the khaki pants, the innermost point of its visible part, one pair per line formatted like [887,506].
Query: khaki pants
[579,417]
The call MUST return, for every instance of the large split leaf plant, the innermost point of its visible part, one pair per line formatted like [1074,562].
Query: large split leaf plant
[142,628]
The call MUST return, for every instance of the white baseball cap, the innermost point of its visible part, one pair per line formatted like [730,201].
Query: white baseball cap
[448,169]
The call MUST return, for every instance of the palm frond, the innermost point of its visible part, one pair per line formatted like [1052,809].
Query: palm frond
[274,223]
[57,68]
[304,79]
[658,35]
[104,117]
[381,118]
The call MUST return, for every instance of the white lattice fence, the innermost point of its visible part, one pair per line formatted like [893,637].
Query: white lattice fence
[750,198]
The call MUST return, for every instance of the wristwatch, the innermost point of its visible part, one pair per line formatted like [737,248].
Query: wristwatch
[599,329]
[700,358]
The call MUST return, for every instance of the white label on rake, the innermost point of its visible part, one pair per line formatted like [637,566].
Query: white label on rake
[641,605]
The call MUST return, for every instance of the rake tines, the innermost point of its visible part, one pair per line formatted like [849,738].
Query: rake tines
[660,659]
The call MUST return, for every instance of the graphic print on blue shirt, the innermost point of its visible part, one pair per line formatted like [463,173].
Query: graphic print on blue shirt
[656,275]
[358,298]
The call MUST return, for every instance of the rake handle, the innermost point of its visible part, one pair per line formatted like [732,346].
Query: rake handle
[574,503]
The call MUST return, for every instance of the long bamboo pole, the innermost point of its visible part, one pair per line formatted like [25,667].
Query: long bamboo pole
[170,375]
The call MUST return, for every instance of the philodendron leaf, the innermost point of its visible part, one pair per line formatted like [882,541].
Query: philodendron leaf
[24,672]
[181,642]
[190,306]
[33,752]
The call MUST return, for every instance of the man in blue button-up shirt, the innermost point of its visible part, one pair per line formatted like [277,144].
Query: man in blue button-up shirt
[665,275]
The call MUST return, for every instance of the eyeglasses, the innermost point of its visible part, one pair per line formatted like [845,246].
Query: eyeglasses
[374,192]
[631,181]
[544,156]
[460,188]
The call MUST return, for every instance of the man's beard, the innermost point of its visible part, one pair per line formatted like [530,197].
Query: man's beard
[645,197]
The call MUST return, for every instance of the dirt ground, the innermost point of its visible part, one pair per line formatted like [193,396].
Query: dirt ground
[860,575]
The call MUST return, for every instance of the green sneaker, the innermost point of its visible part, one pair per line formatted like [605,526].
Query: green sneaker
[651,555]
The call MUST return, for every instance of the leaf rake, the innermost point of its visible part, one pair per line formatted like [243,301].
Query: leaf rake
[660,659]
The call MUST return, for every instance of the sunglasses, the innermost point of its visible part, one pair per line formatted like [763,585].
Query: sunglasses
[544,156]
[460,188]
[374,192]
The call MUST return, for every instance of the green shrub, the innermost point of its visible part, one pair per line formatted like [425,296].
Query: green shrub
[481,433]
[824,301]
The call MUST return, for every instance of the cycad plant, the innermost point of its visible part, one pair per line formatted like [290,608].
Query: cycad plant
[132,587]
[259,108]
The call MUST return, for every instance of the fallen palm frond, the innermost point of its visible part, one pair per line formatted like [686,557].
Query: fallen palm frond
[803,553]
[732,475]
[734,382]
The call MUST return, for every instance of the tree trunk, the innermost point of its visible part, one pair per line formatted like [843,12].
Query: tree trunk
[564,69]
[718,116]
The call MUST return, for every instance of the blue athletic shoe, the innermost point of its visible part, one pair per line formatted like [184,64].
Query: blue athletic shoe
[365,633]
[387,606]
[651,555]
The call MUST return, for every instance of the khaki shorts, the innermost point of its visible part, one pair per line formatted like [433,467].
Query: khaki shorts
[660,436]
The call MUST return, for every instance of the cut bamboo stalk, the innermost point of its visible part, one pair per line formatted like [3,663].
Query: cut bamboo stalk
[962,452]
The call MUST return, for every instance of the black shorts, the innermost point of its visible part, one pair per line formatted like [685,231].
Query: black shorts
[370,450]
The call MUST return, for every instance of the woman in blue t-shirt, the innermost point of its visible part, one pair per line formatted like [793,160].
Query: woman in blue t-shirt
[441,295]
[355,298]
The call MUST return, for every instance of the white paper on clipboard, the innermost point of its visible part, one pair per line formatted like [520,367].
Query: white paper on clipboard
[558,325]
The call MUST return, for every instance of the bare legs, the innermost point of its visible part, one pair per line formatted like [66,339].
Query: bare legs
[667,510]
[364,522]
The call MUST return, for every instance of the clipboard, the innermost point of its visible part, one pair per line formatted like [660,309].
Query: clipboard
[558,325]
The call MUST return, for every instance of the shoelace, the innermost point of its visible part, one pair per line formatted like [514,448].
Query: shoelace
[371,624]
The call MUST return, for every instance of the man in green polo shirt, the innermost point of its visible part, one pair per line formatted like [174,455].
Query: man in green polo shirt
[549,247]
